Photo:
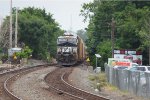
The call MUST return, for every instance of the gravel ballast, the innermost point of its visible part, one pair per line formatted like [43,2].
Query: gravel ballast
[79,78]
[33,87]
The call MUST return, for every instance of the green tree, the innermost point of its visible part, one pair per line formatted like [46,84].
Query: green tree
[4,33]
[38,30]
[128,17]
[145,34]
[82,34]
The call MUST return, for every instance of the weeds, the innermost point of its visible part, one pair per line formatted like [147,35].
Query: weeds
[98,80]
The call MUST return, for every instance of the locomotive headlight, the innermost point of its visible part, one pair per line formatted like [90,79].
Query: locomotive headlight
[74,50]
[58,50]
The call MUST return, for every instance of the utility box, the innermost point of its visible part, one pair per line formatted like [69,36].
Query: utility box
[13,50]
[98,70]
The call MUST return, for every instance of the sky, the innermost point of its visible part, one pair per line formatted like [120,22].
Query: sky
[65,12]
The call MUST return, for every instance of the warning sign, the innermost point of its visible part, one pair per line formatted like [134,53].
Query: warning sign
[88,59]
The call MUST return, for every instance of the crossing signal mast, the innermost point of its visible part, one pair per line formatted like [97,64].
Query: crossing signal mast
[11,50]
[16,27]
[10,35]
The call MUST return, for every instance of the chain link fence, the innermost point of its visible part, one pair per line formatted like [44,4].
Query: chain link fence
[136,82]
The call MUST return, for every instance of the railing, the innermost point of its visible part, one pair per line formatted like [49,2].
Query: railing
[136,82]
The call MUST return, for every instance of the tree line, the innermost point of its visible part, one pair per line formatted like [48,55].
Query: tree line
[36,29]
[132,27]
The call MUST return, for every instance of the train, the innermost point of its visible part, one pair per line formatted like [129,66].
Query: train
[70,49]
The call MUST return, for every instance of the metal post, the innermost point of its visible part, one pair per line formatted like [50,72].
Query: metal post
[149,55]
[0,23]
[10,37]
[112,36]
[16,27]
[96,62]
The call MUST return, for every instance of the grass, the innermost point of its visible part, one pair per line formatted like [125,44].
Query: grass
[99,82]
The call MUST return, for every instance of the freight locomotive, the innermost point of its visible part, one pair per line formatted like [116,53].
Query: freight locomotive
[70,49]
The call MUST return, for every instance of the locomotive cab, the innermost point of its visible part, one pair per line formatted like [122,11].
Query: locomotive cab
[67,50]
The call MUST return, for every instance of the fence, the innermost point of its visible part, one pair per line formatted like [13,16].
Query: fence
[136,82]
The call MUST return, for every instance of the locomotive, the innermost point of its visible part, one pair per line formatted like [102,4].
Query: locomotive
[70,49]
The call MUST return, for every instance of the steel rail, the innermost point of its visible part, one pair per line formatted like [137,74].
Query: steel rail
[14,97]
[9,93]
[62,78]
[61,91]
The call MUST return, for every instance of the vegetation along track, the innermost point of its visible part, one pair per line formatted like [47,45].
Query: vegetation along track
[58,80]
[7,78]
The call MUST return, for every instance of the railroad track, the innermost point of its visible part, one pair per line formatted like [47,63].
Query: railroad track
[58,80]
[9,77]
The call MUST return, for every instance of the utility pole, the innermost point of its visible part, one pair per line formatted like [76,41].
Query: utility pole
[0,23]
[149,55]
[112,35]
[10,37]
[16,27]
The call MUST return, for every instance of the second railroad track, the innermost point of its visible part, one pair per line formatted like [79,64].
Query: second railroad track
[58,80]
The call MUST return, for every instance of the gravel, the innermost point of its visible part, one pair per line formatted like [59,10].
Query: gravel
[9,67]
[79,78]
[33,87]
[33,84]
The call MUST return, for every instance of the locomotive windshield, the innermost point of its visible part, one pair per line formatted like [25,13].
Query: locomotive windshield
[62,40]
[70,40]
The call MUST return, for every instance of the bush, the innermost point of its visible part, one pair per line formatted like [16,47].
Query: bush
[4,58]
[25,53]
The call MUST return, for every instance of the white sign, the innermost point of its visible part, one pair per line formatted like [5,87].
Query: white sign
[119,62]
[13,50]
[97,55]
[132,55]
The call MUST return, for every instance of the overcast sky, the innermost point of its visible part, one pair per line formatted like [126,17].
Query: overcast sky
[65,12]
